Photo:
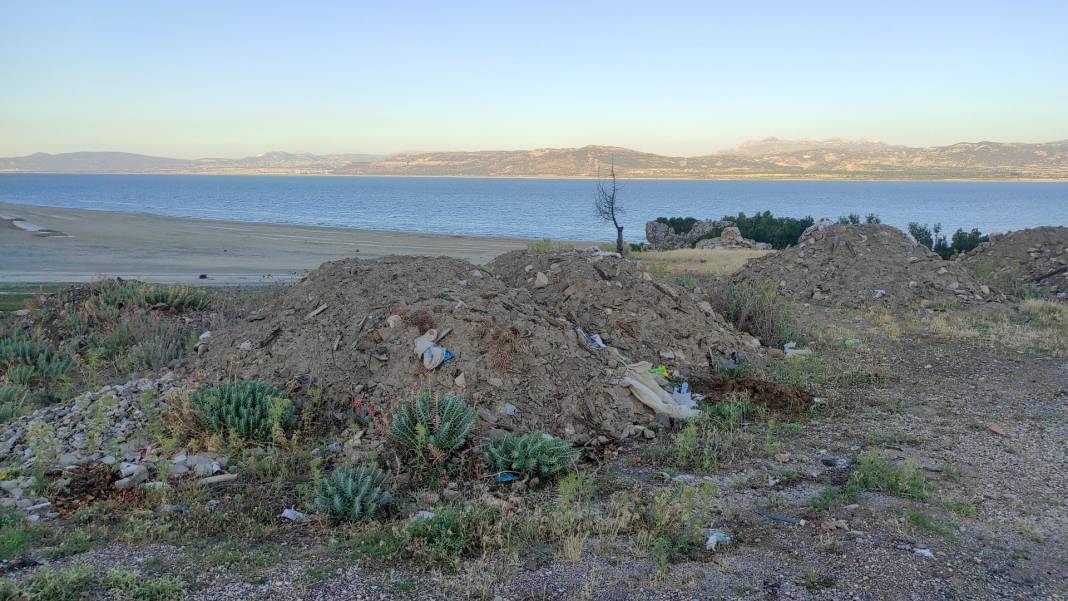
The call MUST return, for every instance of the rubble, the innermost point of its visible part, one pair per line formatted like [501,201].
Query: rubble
[1035,257]
[864,265]
[731,238]
[661,237]
[519,334]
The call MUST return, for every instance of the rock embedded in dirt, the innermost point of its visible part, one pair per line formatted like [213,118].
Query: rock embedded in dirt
[863,265]
[1034,258]
[513,344]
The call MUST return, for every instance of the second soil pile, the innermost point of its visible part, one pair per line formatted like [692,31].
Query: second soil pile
[1035,258]
[856,265]
[512,328]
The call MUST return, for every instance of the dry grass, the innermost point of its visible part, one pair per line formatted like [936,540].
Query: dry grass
[694,260]
[1039,326]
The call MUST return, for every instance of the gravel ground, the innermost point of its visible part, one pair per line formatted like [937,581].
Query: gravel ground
[987,425]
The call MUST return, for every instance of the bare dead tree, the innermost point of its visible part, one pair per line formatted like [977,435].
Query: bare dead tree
[607,206]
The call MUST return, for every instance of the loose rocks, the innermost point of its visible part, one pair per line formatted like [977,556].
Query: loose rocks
[857,265]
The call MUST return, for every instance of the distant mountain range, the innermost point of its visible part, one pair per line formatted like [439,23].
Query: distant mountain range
[770,158]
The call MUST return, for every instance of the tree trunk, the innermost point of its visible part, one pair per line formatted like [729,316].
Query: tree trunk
[619,239]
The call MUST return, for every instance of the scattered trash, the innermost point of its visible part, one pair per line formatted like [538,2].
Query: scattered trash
[923,552]
[717,537]
[659,370]
[877,293]
[295,516]
[506,477]
[852,341]
[204,336]
[510,409]
[779,518]
[791,350]
[432,354]
[423,514]
[639,378]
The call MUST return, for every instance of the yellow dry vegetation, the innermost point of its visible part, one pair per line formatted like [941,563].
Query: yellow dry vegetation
[698,260]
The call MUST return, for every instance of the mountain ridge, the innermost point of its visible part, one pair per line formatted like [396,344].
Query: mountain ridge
[769,158]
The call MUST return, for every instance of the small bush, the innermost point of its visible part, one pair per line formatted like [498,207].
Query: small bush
[432,427]
[532,455]
[131,585]
[180,298]
[873,473]
[679,225]
[932,237]
[454,533]
[352,493]
[759,312]
[252,409]
[49,585]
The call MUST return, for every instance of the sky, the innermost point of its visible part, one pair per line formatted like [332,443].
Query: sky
[229,79]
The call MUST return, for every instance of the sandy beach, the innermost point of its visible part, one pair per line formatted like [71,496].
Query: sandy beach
[88,245]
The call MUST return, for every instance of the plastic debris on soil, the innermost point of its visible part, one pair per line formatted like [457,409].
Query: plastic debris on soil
[864,265]
[520,343]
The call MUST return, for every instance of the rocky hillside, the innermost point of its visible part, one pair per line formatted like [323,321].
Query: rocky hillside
[770,158]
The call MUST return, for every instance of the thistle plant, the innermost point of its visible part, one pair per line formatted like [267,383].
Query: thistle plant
[251,409]
[352,493]
[432,427]
[536,454]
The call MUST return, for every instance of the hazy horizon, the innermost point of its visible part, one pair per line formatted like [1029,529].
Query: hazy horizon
[240,79]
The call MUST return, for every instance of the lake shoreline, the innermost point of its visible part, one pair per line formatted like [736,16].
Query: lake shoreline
[85,245]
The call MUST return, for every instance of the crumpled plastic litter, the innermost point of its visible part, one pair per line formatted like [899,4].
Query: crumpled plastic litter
[639,378]
[295,516]
[717,537]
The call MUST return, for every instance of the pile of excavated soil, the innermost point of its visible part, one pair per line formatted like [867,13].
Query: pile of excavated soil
[864,265]
[612,297]
[350,327]
[1036,257]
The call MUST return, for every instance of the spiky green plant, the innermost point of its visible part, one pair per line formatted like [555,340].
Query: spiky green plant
[536,454]
[433,427]
[21,375]
[252,409]
[22,351]
[352,493]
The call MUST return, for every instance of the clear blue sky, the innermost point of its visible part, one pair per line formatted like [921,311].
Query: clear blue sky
[191,79]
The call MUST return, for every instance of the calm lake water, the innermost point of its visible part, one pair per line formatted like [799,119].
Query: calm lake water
[528,208]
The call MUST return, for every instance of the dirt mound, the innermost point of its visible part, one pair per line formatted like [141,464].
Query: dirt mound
[1031,258]
[612,297]
[856,265]
[349,330]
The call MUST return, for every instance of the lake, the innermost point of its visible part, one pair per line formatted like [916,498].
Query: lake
[535,208]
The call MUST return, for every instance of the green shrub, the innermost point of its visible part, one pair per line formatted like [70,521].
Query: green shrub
[352,493]
[679,225]
[535,454]
[933,238]
[150,342]
[760,312]
[252,409]
[131,585]
[779,232]
[16,535]
[21,375]
[452,533]
[117,293]
[432,427]
[179,297]
[874,473]
[50,585]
